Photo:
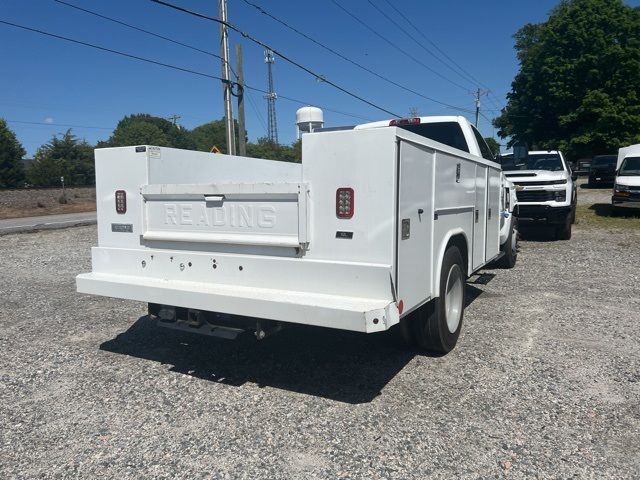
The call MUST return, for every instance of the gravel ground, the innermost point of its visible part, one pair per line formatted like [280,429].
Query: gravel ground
[545,381]
[589,196]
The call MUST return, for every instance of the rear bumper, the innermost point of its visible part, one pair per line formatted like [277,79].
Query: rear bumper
[346,313]
[625,202]
[543,213]
[601,179]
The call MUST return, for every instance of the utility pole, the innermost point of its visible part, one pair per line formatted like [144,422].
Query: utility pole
[272,125]
[224,53]
[479,93]
[242,133]
[174,119]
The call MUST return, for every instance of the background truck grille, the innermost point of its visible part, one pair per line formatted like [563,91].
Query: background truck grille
[535,196]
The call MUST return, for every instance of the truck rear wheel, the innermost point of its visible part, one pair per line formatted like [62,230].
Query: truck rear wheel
[436,326]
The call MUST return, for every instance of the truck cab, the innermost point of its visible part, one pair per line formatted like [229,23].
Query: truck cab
[546,189]
[454,131]
[626,190]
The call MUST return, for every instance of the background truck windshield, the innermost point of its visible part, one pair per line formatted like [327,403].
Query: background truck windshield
[630,167]
[538,161]
[604,161]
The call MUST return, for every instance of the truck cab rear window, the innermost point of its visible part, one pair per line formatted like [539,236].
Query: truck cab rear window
[448,133]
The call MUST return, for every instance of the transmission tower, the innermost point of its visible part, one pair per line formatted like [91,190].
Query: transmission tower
[271,96]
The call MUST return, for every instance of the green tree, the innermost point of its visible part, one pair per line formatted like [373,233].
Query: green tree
[212,134]
[269,150]
[11,153]
[493,145]
[144,129]
[64,156]
[578,88]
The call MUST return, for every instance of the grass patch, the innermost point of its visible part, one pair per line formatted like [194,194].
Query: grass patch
[47,209]
[602,215]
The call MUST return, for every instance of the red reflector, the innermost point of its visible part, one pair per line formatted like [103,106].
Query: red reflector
[404,121]
[400,307]
[121,201]
[345,200]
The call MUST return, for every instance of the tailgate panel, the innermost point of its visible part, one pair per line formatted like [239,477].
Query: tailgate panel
[272,214]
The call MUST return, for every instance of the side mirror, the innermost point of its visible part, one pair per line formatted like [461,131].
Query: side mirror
[574,176]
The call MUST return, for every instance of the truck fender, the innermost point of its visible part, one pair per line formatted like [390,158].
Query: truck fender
[455,232]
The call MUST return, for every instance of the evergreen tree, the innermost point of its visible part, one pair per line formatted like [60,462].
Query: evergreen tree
[64,156]
[11,153]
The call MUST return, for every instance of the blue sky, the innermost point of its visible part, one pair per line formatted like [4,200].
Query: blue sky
[57,83]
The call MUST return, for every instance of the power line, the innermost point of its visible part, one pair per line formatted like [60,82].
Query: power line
[58,125]
[166,65]
[353,62]
[412,37]
[96,14]
[468,74]
[104,49]
[201,51]
[401,50]
[278,53]
[256,111]
[421,33]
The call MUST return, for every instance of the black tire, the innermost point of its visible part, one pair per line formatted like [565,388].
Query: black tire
[510,247]
[563,232]
[429,323]
[401,332]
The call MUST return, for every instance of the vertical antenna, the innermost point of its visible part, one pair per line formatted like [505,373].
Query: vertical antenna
[271,96]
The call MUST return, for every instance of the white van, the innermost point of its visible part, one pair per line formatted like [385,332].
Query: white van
[626,190]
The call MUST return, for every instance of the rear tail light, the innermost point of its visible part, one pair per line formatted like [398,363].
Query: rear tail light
[404,121]
[121,201]
[345,202]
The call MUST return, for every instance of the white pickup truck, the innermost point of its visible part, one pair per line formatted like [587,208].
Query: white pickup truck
[546,189]
[380,225]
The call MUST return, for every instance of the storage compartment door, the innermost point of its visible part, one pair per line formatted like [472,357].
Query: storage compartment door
[480,217]
[415,225]
[493,215]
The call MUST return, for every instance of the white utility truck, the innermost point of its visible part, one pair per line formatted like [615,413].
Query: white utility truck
[546,189]
[379,223]
[626,190]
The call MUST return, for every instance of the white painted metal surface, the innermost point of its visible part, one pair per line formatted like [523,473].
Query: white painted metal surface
[261,238]
[416,223]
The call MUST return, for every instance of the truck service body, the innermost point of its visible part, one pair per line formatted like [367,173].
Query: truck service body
[358,236]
